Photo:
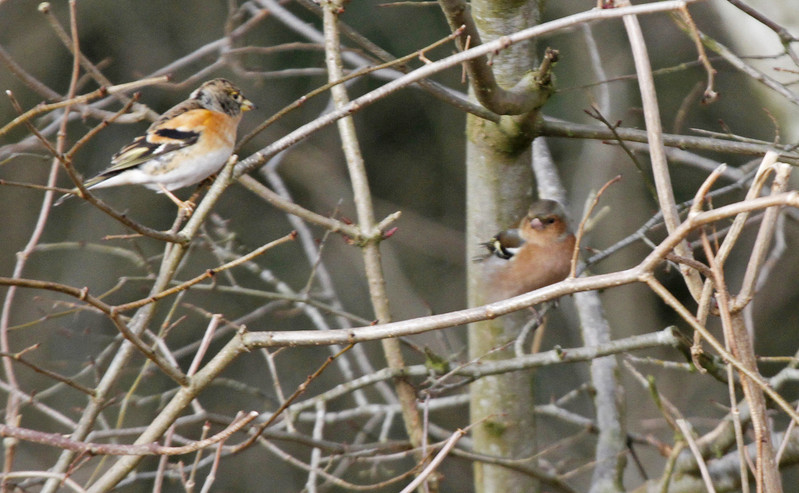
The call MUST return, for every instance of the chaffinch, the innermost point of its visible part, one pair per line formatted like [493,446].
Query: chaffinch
[186,145]
[535,254]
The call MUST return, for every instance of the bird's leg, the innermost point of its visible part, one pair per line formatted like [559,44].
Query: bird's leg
[187,207]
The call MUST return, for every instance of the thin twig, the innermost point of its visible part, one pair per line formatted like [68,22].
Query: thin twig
[60,441]
[660,168]
[435,462]
[581,228]
[710,95]
[763,240]
[38,369]
[82,99]
[209,273]
[366,221]
[283,406]
[260,158]
[12,410]
[550,127]
[687,433]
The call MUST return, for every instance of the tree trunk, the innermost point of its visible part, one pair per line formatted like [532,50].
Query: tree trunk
[499,190]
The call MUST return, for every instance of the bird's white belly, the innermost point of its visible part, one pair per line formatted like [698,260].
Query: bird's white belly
[190,173]
[162,172]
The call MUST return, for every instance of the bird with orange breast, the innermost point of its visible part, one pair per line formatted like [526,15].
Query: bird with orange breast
[535,254]
[186,145]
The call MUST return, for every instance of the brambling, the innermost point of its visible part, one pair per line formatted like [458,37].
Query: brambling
[186,145]
[535,254]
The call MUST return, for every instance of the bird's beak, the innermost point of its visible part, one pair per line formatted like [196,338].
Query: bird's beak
[247,105]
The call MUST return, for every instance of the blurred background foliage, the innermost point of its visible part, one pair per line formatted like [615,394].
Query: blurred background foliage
[413,145]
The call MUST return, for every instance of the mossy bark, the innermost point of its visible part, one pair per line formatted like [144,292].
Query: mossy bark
[499,190]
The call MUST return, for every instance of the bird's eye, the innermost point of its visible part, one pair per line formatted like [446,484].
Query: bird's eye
[549,220]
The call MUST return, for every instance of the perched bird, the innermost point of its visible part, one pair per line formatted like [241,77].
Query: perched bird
[535,254]
[186,145]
